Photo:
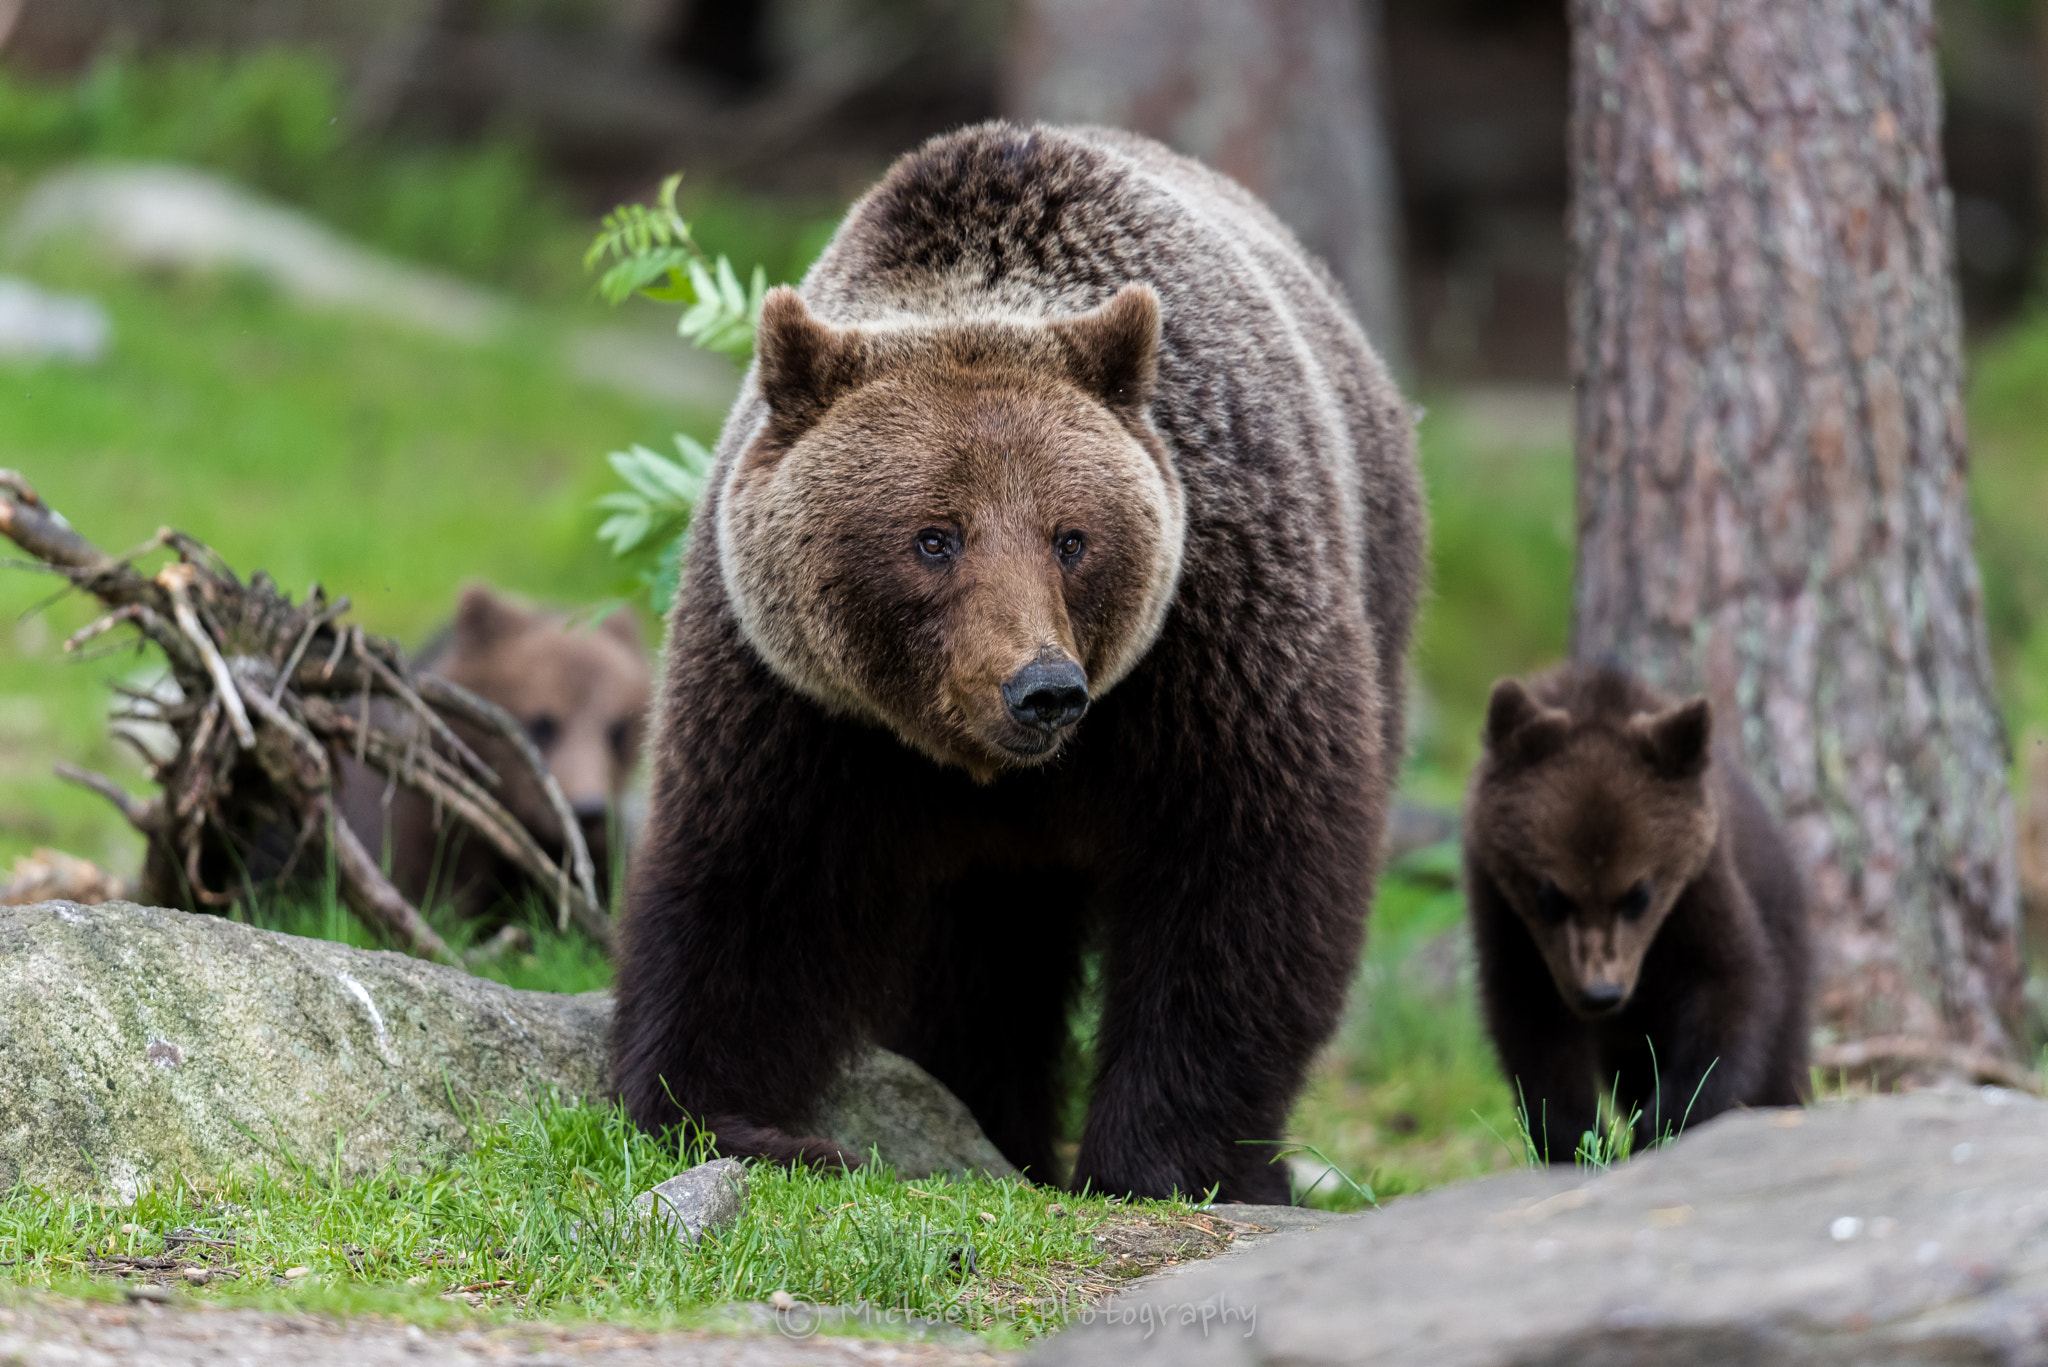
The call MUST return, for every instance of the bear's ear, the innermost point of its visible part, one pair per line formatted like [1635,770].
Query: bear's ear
[1518,728]
[1675,742]
[483,619]
[1113,353]
[803,364]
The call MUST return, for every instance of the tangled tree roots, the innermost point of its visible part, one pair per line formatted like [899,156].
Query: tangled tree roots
[269,695]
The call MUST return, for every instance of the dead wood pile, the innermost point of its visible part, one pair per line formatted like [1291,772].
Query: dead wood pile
[269,695]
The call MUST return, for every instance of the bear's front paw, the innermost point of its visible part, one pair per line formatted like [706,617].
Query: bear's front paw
[737,1138]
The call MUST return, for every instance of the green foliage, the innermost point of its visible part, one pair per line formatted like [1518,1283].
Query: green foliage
[650,520]
[1500,601]
[652,253]
[537,1217]
[277,120]
[2009,491]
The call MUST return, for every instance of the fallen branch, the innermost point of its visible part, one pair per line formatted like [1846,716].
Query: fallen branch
[270,692]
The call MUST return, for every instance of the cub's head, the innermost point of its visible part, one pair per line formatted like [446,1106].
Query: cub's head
[581,693]
[964,533]
[1591,826]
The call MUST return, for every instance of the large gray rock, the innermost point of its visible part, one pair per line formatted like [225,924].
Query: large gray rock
[1896,1230]
[890,1105]
[177,218]
[138,1043]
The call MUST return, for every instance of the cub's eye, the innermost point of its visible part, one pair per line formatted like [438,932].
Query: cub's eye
[935,544]
[543,731]
[1635,901]
[619,735]
[1070,545]
[1551,903]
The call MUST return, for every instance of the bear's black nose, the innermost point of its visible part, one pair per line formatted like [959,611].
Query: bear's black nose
[1600,997]
[1047,696]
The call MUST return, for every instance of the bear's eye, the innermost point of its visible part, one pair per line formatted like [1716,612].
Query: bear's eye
[1070,545]
[935,544]
[1551,903]
[543,731]
[1635,901]
[619,735]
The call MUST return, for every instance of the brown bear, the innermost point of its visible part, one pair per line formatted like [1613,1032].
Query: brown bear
[1638,920]
[582,694]
[1053,590]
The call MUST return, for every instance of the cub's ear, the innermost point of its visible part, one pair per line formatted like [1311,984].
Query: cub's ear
[624,627]
[483,619]
[1675,742]
[803,364]
[1113,353]
[1518,728]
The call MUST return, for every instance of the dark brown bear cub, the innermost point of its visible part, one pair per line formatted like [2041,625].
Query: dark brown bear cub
[1638,920]
[1052,589]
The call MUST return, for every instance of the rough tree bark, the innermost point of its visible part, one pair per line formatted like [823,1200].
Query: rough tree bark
[1281,95]
[1771,473]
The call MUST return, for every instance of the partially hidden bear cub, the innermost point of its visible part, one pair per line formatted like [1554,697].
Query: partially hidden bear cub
[1052,589]
[1638,920]
[582,694]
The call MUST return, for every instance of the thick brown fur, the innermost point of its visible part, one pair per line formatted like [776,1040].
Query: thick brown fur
[1639,923]
[581,692]
[1052,400]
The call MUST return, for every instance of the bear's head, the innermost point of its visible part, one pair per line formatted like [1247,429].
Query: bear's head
[964,532]
[580,692]
[1591,827]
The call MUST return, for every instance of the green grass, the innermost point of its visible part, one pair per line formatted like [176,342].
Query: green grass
[1408,1097]
[2009,499]
[533,1223]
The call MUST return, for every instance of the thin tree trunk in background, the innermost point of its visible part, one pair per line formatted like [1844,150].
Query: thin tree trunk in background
[1283,96]
[1771,468]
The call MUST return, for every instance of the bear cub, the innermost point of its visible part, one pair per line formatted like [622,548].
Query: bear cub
[1638,920]
[582,695]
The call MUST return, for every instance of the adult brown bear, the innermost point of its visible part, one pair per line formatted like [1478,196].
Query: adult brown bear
[1060,423]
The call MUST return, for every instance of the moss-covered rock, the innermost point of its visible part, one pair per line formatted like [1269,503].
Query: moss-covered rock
[137,1044]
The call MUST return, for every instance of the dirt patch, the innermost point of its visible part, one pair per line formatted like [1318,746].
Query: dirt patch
[1132,1247]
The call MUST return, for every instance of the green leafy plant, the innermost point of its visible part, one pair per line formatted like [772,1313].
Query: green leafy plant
[653,514]
[653,253]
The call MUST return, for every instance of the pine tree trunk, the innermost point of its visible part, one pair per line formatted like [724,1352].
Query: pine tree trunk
[1283,96]
[1771,469]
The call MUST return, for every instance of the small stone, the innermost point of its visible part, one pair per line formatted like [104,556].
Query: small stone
[149,1293]
[292,1274]
[782,1300]
[709,1196]
[987,1218]
[1845,1228]
[131,1229]
[198,1276]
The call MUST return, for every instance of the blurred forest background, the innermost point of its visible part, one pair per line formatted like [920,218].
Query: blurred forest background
[471,146]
